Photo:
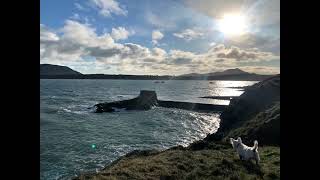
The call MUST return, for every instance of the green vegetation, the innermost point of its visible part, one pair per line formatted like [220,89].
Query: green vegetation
[265,127]
[220,162]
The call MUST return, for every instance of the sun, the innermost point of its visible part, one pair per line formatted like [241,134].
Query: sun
[232,24]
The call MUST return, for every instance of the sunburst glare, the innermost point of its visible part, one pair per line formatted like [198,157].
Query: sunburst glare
[233,24]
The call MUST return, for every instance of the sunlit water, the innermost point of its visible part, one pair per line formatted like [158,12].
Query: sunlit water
[73,139]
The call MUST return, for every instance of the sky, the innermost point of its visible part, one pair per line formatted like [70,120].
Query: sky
[167,37]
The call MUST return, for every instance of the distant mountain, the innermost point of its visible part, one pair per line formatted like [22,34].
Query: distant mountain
[229,74]
[235,71]
[56,70]
[49,71]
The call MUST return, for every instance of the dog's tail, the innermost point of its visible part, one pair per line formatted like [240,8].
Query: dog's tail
[255,146]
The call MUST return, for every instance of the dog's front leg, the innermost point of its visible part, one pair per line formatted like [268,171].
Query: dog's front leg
[241,158]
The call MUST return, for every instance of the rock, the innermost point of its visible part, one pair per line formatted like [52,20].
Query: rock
[138,153]
[255,99]
[264,127]
[144,101]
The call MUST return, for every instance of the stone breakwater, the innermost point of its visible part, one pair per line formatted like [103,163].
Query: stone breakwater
[147,99]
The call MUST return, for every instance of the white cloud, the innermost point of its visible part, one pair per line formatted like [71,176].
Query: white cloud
[189,34]
[84,34]
[120,33]
[160,22]
[77,41]
[156,35]
[79,6]
[47,35]
[212,44]
[108,7]
[255,41]
[159,52]
[75,16]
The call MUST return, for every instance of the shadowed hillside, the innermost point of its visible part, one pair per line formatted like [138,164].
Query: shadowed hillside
[56,70]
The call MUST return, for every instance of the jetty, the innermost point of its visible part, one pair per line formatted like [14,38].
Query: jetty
[147,99]
[219,97]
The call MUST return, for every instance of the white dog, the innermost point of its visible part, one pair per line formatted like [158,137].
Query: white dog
[245,152]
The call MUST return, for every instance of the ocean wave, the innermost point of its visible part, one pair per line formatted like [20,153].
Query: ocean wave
[75,109]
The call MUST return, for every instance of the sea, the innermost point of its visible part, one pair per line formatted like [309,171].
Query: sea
[74,139]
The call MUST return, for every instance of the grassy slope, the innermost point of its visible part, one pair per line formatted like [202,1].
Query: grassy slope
[265,127]
[218,162]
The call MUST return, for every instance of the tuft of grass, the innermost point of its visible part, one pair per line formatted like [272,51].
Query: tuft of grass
[222,163]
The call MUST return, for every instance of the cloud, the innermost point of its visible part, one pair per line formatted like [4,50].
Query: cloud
[261,12]
[108,7]
[212,44]
[79,6]
[46,35]
[156,35]
[181,57]
[120,33]
[238,54]
[159,52]
[75,16]
[189,34]
[85,35]
[216,8]
[75,41]
[264,43]
[158,21]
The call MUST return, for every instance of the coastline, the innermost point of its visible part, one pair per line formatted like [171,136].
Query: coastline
[213,156]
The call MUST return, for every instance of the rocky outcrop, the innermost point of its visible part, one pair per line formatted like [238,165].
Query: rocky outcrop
[253,115]
[265,127]
[255,99]
[144,101]
[147,99]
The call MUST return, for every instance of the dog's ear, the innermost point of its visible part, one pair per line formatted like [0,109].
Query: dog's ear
[239,139]
[231,142]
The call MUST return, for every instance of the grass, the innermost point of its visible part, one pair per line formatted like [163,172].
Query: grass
[265,127]
[217,163]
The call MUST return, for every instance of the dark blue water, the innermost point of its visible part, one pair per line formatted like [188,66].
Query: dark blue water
[69,130]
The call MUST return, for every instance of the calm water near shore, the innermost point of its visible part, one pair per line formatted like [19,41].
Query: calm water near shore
[74,139]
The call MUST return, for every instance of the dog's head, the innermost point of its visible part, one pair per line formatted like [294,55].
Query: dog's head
[235,142]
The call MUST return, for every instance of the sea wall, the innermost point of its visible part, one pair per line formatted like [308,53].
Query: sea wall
[147,99]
